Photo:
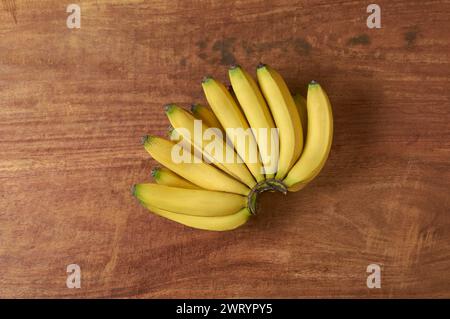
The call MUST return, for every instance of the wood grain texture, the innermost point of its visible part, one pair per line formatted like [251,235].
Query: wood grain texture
[74,104]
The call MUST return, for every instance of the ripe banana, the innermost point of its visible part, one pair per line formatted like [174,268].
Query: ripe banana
[318,139]
[231,117]
[218,223]
[184,122]
[300,103]
[196,202]
[203,113]
[258,116]
[222,195]
[198,173]
[285,115]
[164,176]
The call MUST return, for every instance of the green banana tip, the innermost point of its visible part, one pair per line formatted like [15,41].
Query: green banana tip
[169,108]
[194,107]
[155,172]
[146,139]
[133,190]
[313,83]
[206,79]
[234,67]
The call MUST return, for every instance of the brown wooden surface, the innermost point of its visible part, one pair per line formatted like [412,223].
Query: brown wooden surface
[74,104]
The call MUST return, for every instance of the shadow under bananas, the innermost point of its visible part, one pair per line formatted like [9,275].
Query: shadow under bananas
[357,122]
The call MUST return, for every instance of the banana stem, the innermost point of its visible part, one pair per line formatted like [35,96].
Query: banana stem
[271,184]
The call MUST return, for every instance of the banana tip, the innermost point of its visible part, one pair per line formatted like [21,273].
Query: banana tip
[133,189]
[155,172]
[235,66]
[207,78]
[313,83]
[145,139]
[169,108]
[261,65]
[194,107]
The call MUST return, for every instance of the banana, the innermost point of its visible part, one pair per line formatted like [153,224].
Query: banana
[231,117]
[194,170]
[203,113]
[164,176]
[318,139]
[300,102]
[258,115]
[285,115]
[196,202]
[184,122]
[224,194]
[219,223]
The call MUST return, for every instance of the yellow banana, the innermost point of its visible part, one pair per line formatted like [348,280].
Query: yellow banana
[193,169]
[218,223]
[286,117]
[203,113]
[231,117]
[183,122]
[222,195]
[196,202]
[257,113]
[318,139]
[300,102]
[165,176]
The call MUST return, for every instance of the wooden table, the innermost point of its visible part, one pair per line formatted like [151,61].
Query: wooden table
[75,102]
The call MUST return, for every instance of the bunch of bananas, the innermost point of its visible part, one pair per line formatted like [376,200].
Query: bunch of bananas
[214,194]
